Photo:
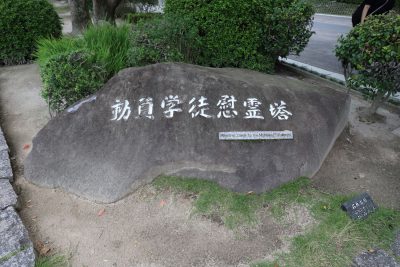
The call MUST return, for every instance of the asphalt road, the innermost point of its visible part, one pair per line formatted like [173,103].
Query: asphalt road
[320,50]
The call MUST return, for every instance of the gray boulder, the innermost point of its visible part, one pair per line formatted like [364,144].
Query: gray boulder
[109,144]
[396,245]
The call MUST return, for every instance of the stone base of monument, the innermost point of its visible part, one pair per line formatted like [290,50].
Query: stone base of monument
[168,119]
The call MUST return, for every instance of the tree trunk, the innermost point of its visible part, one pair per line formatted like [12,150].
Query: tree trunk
[376,103]
[79,15]
[104,10]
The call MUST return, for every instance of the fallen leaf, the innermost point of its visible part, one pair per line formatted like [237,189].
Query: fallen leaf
[39,244]
[41,248]
[44,250]
[26,146]
[163,203]
[101,212]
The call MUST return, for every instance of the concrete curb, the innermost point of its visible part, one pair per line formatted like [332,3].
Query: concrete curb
[335,16]
[332,76]
[16,249]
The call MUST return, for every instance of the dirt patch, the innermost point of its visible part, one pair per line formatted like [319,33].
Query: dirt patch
[365,158]
[150,229]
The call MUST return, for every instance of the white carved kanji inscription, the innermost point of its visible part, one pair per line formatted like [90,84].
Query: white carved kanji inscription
[120,110]
[199,107]
[145,108]
[226,106]
[253,109]
[279,111]
[170,104]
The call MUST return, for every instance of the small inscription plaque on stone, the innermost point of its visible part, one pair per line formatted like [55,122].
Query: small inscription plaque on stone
[359,207]
[256,135]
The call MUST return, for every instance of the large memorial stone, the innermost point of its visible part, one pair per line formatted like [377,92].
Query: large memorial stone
[166,119]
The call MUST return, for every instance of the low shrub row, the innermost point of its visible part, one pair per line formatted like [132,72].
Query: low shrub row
[72,68]
[22,23]
[219,33]
[372,50]
[134,18]
[244,34]
[350,1]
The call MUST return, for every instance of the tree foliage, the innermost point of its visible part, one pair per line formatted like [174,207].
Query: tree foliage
[372,50]
[227,33]
[22,23]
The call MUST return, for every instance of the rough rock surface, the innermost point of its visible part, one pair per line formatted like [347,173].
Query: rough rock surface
[3,143]
[7,195]
[15,247]
[24,258]
[5,166]
[377,258]
[86,152]
[396,245]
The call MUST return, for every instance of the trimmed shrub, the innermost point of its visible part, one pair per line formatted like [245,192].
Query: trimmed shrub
[245,34]
[73,68]
[372,49]
[48,48]
[109,46]
[358,2]
[163,39]
[134,18]
[22,23]
[69,77]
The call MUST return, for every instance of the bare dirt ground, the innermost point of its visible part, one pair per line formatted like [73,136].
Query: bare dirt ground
[150,229]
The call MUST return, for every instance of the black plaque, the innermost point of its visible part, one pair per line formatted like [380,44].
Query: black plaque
[359,207]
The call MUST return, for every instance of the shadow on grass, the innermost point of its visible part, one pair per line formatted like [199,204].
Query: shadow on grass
[334,240]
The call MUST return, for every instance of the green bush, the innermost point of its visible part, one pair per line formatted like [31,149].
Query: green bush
[163,39]
[350,1]
[73,68]
[109,45]
[134,18]
[372,49]
[22,23]
[69,77]
[247,34]
[47,48]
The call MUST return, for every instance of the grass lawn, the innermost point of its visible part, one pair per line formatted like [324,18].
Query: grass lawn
[52,261]
[333,241]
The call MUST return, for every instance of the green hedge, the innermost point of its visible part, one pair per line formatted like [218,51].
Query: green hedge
[134,18]
[245,34]
[373,50]
[350,1]
[22,23]
[69,77]
[73,68]
[163,39]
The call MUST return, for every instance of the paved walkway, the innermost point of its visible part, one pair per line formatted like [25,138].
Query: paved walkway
[320,50]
